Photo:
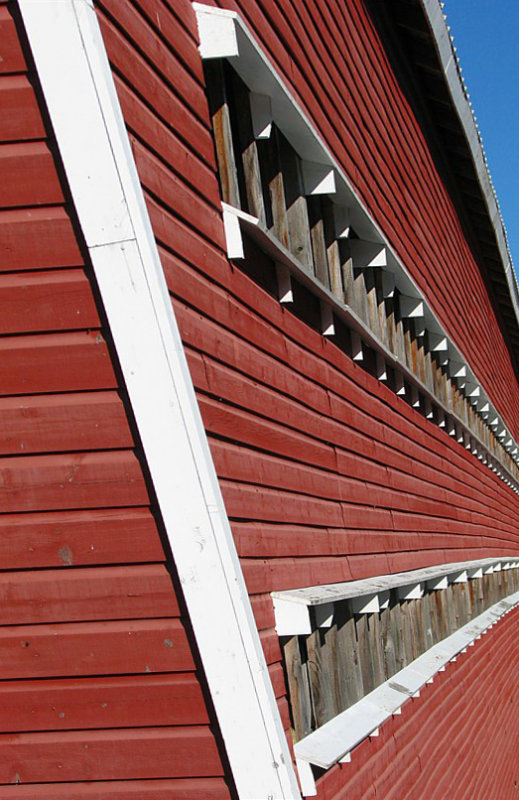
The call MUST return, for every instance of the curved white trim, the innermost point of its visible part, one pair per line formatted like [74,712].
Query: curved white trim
[78,88]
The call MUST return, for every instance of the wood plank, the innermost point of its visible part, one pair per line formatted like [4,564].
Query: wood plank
[349,670]
[122,701]
[86,593]
[221,119]
[94,648]
[20,117]
[247,148]
[49,300]
[71,481]
[156,789]
[365,652]
[298,687]
[318,239]
[55,363]
[270,166]
[67,538]
[297,211]
[109,755]
[29,177]
[335,250]
[321,650]
[388,643]
[38,238]
[50,423]
[12,55]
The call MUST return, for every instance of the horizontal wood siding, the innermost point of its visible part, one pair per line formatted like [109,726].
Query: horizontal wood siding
[327,475]
[101,695]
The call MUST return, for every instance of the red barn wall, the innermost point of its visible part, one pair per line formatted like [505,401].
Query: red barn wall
[100,693]
[326,474]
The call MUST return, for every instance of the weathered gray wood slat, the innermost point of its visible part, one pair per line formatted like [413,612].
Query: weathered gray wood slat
[335,250]
[365,652]
[298,687]
[348,662]
[300,244]
[248,148]
[377,648]
[318,239]
[388,643]
[270,166]
[320,645]
[220,116]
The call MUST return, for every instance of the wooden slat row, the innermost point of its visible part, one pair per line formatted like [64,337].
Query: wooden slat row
[333,667]
[265,178]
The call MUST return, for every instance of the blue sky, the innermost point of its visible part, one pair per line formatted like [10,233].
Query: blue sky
[486,36]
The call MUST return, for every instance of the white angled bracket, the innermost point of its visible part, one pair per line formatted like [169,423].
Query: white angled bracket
[261,115]
[411,307]
[342,221]
[217,32]
[318,178]
[292,619]
[367,254]
[284,280]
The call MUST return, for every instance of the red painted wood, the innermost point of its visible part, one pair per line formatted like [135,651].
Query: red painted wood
[37,239]
[163,58]
[162,183]
[79,704]
[75,538]
[20,118]
[48,300]
[166,144]
[28,175]
[108,755]
[167,105]
[180,789]
[94,648]
[88,593]
[49,423]
[54,363]
[71,481]
[12,55]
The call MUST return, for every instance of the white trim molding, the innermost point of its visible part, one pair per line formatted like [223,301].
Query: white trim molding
[84,111]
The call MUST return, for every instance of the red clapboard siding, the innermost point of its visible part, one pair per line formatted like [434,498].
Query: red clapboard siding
[37,238]
[28,175]
[12,55]
[49,423]
[66,538]
[94,648]
[150,85]
[87,593]
[20,117]
[162,57]
[77,704]
[55,363]
[108,755]
[166,144]
[80,480]
[49,300]
[180,789]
